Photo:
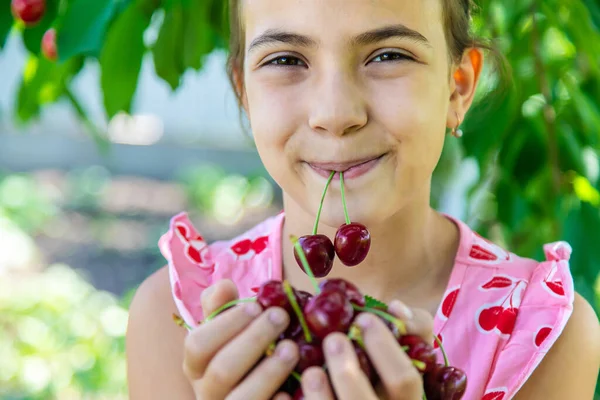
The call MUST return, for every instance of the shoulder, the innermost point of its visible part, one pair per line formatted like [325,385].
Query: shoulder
[154,343]
[570,368]
[248,260]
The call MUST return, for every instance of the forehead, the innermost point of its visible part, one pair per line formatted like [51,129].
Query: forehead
[328,20]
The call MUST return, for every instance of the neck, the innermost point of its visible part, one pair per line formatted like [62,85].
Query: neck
[411,257]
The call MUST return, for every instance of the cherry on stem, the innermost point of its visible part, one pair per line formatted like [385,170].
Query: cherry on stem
[304,262]
[290,293]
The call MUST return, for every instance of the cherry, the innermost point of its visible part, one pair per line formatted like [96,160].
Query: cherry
[352,243]
[49,45]
[327,312]
[319,253]
[445,383]
[29,11]
[348,288]
[352,240]
[272,294]
[365,363]
[419,350]
[294,329]
[311,355]
[298,394]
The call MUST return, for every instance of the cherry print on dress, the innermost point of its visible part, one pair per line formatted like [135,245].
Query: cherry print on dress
[484,250]
[553,285]
[500,317]
[194,245]
[499,282]
[495,394]
[541,335]
[247,248]
[435,343]
[448,303]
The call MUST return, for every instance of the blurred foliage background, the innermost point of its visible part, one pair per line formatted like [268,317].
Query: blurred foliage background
[75,241]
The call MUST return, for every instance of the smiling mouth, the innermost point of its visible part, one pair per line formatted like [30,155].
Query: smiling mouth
[351,169]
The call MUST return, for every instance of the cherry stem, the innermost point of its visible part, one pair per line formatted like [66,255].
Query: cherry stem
[229,305]
[397,322]
[424,396]
[179,321]
[356,334]
[316,226]
[439,342]
[290,294]
[304,262]
[297,376]
[344,199]
[420,365]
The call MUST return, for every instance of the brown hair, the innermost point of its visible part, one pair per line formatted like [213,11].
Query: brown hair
[457,25]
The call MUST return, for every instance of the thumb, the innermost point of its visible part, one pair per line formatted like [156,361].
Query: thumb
[217,295]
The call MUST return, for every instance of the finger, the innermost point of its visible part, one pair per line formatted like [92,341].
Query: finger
[418,321]
[242,353]
[204,341]
[315,385]
[269,375]
[398,375]
[349,381]
[220,293]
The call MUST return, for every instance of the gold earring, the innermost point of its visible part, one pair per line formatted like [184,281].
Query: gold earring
[457,132]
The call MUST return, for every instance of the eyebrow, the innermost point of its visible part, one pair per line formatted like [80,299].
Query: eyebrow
[275,36]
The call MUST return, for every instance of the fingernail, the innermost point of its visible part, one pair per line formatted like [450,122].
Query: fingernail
[252,309]
[401,310]
[334,345]
[314,382]
[285,352]
[277,317]
[364,321]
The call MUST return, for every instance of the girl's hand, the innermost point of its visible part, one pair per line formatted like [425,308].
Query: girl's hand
[220,354]
[399,378]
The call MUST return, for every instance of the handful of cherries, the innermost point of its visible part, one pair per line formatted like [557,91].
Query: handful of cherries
[333,308]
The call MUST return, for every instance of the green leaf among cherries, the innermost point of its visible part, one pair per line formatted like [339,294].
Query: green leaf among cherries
[371,302]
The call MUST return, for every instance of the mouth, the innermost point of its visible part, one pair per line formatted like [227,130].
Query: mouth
[351,169]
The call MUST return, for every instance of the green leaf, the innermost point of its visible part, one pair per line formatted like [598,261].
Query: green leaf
[372,302]
[32,37]
[121,59]
[83,27]
[6,21]
[198,38]
[43,82]
[168,49]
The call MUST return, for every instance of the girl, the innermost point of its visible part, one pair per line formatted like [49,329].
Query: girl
[367,88]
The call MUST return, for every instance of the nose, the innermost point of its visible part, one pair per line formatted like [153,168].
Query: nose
[338,105]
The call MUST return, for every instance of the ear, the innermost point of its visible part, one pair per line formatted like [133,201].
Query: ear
[238,81]
[463,85]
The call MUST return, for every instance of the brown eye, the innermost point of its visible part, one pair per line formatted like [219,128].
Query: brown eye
[391,56]
[286,61]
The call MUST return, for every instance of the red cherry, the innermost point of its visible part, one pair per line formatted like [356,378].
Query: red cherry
[348,288]
[319,253]
[272,294]
[488,319]
[352,243]
[29,11]
[311,355]
[445,383]
[419,350]
[506,321]
[329,311]
[365,364]
[294,329]
[298,395]
[49,45]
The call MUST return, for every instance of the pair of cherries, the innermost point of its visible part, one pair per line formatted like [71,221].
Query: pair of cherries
[351,244]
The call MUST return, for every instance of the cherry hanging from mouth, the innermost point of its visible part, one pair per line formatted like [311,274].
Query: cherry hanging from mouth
[318,249]
[352,240]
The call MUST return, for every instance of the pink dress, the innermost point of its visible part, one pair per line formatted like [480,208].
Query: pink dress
[500,314]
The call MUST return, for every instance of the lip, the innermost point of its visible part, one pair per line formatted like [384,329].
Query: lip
[351,169]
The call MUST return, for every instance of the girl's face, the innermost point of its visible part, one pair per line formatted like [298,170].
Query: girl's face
[362,86]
